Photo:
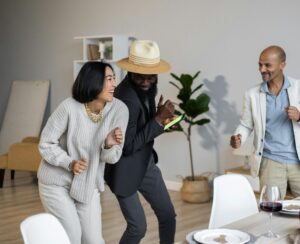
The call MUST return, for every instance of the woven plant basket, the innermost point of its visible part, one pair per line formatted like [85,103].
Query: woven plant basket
[197,191]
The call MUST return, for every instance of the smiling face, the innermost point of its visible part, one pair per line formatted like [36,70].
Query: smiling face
[271,65]
[144,82]
[107,93]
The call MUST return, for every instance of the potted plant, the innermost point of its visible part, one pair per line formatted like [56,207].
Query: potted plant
[109,51]
[194,188]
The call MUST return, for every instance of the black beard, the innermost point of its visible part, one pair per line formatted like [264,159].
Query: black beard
[144,94]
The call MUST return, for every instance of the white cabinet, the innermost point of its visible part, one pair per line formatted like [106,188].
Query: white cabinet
[112,47]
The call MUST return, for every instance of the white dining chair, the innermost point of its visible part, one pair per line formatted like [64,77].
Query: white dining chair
[43,228]
[233,199]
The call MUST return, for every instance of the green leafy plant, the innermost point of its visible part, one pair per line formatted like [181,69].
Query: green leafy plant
[191,106]
[108,51]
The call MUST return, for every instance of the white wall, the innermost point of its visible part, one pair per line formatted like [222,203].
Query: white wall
[221,38]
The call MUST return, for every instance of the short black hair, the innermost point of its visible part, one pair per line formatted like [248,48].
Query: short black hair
[89,81]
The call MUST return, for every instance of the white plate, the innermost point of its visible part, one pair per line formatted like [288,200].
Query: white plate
[210,236]
[296,214]
[287,204]
[190,237]
[289,213]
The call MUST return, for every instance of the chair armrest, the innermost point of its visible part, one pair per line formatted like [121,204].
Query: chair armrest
[3,161]
[31,139]
[24,156]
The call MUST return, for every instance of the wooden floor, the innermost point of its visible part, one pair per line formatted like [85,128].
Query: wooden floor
[19,199]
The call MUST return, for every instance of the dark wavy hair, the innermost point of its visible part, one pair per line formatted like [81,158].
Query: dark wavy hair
[89,81]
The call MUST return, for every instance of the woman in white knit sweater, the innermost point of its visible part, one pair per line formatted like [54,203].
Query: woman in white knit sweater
[82,134]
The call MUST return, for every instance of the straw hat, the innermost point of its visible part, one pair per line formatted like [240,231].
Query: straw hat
[144,58]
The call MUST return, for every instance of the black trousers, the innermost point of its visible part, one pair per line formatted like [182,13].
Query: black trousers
[155,192]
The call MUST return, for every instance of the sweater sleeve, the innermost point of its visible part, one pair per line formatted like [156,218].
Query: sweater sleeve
[49,146]
[120,119]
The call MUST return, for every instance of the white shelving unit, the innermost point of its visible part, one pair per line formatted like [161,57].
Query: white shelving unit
[115,48]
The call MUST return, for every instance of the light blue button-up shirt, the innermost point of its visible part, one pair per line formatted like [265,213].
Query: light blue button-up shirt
[279,137]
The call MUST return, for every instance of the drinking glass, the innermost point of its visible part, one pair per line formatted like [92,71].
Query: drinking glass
[270,201]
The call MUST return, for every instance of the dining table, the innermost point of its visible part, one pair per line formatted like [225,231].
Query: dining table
[285,225]
[256,225]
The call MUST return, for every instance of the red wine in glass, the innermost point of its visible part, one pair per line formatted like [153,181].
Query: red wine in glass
[270,201]
[271,206]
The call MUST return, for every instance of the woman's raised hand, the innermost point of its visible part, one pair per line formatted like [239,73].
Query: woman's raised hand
[115,137]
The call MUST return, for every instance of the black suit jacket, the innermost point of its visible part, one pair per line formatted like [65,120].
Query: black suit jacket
[125,177]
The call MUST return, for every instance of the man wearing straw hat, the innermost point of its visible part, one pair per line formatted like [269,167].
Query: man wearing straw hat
[137,171]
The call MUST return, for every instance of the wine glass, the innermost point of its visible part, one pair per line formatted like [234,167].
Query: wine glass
[270,201]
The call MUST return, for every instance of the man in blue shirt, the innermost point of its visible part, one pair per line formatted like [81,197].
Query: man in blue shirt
[271,110]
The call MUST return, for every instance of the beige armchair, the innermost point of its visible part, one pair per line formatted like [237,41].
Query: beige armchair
[23,117]
[21,156]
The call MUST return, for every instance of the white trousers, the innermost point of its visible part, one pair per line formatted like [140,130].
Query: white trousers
[81,221]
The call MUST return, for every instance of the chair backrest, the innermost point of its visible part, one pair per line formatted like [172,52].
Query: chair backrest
[24,112]
[43,228]
[233,199]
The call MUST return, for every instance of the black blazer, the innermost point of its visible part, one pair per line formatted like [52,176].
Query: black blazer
[125,177]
